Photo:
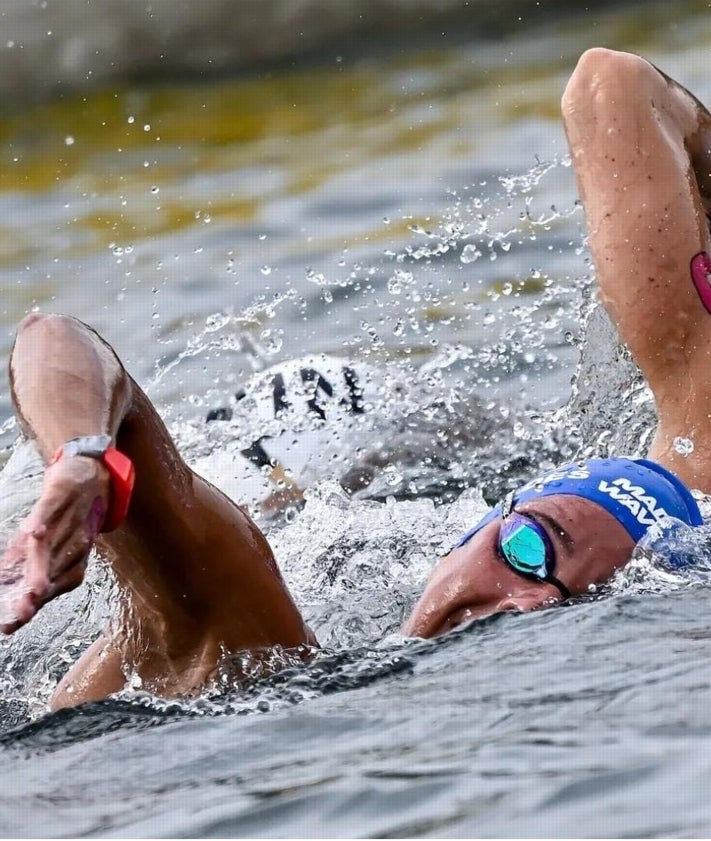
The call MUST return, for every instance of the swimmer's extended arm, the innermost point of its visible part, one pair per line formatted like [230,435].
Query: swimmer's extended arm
[641,147]
[201,578]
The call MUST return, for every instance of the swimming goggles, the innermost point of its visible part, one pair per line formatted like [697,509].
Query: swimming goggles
[526,548]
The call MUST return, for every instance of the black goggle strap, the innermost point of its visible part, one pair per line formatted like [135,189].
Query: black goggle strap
[564,591]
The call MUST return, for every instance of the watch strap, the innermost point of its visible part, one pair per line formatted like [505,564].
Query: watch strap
[119,466]
[93,446]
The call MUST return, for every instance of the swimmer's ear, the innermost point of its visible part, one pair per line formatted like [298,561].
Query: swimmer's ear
[527,600]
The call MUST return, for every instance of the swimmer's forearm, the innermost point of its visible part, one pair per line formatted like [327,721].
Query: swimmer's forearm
[696,136]
[65,382]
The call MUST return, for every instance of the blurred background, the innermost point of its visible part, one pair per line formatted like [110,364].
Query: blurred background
[219,185]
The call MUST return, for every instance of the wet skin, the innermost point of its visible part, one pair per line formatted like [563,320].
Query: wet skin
[473,581]
[204,580]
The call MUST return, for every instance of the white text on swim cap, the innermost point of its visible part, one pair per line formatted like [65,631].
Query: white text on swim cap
[643,507]
[577,472]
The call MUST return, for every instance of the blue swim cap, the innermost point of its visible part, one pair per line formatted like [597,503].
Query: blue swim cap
[637,492]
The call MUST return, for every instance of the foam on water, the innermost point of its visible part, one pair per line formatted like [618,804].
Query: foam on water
[387,492]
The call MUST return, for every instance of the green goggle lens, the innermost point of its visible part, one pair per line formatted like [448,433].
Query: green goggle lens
[524,548]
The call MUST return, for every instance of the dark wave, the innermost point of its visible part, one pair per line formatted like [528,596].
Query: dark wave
[54,49]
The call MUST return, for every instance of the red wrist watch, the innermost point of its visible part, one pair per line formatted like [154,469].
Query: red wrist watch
[120,467]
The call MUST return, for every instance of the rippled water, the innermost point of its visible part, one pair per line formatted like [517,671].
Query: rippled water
[414,213]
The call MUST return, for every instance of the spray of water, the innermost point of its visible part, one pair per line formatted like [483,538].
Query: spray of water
[396,484]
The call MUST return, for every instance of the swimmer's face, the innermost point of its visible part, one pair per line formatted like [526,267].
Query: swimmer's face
[473,581]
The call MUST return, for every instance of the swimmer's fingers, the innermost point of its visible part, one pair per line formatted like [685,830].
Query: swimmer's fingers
[38,571]
[12,574]
[47,573]
[69,579]
[31,590]
[48,555]
[58,547]
[12,565]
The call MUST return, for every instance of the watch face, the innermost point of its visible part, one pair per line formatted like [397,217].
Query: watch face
[93,446]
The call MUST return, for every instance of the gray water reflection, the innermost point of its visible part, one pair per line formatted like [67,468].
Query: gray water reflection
[603,734]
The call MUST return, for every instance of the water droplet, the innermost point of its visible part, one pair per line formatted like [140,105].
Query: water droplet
[131,120]
[469,254]
[69,140]
[271,341]
[520,431]
[155,190]
[316,277]
[266,270]
[398,281]
[392,477]
[683,446]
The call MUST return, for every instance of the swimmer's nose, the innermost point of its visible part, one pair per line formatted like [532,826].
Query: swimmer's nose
[542,596]
[421,623]
[434,623]
[509,605]
[457,619]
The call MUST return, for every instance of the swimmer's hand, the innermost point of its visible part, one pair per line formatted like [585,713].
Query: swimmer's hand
[279,500]
[287,493]
[47,555]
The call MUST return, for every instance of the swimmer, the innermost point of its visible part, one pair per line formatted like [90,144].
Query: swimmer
[199,577]
[309,410]
[316,420]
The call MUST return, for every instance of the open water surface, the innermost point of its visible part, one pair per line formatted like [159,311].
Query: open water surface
[414,213]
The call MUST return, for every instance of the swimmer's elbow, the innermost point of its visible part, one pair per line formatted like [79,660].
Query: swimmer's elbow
[602,79]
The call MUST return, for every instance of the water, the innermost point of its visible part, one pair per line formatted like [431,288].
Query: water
[414,213]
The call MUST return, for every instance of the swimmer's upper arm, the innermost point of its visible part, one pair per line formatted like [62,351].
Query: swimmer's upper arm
[202,584]
[202,576]
[630,130]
